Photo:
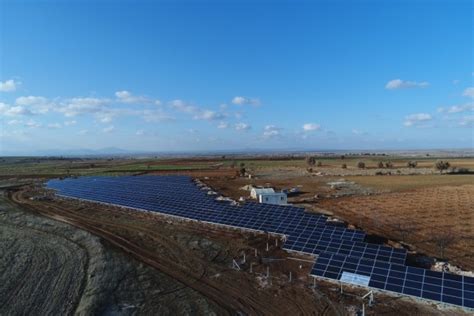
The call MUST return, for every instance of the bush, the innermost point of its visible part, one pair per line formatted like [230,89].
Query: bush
[389,164]
[442,165]
[344,166]
[412,164]
[319,164]
[361,165]
[460,171]
[310,160]
[380,164]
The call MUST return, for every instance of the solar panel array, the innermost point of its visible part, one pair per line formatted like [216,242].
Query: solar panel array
[427,284]
[338,248]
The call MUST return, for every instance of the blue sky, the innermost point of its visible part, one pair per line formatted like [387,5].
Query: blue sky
[209,75]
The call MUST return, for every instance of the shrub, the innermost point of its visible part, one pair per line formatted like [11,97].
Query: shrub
[412,164]
[442,165]
[310,160]
[319,164]
[344,166]
[389,164]
[380,164]
[361,165]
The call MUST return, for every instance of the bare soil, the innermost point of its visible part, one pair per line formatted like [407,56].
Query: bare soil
[198,259]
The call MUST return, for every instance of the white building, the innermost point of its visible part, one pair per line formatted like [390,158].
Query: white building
[277,198]
[255,192]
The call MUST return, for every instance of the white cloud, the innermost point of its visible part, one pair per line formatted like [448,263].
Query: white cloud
[37,104]
[244,100]
[77,106]
[223,125]
[140,132]
[456,81]
[457,108]
[358,132]
[8,85]
[307,127]
[182,106]
[469,92]
[242,127]
[108,129]
[209,115]
[157,102]
[467,121]
[14,122]
[33,124]
[17,111]
[127,97]
[155,116]
[416,119]
[402,84]
[54,125]
[82,132]
[105,118]
[271,131]
[70,123]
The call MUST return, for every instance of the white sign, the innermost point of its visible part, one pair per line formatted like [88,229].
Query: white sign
[356,279]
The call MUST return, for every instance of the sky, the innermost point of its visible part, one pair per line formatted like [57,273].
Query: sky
[199,75]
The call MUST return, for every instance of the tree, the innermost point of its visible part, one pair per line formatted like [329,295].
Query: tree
[242,171]
[380,164]
[442,165]
[412,164]
[405,229]
[361,165]
[443,239]
[310,160]
[389,164]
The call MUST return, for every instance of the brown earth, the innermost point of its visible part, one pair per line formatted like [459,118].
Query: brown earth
[424,218]
[199,257]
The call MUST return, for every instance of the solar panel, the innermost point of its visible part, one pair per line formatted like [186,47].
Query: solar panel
[342,252]
[421,283]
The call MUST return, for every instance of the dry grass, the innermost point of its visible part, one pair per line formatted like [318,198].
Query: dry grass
[403,183]
[426,212]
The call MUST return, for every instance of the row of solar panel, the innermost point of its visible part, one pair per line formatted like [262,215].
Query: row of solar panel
[321,243]
[339,249]
[422,283]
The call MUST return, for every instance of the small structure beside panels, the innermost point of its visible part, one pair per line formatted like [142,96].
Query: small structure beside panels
[342,254]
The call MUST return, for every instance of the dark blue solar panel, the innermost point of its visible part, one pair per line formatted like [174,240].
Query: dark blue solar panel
[438,286]
[339,249]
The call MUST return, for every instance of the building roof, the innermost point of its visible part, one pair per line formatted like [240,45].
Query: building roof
[263,190]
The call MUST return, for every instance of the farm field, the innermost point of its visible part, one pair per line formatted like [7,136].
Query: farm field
[424,218]
[194,262]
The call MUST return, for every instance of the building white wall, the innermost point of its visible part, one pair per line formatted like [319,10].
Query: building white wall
[255,192]
[278,198]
